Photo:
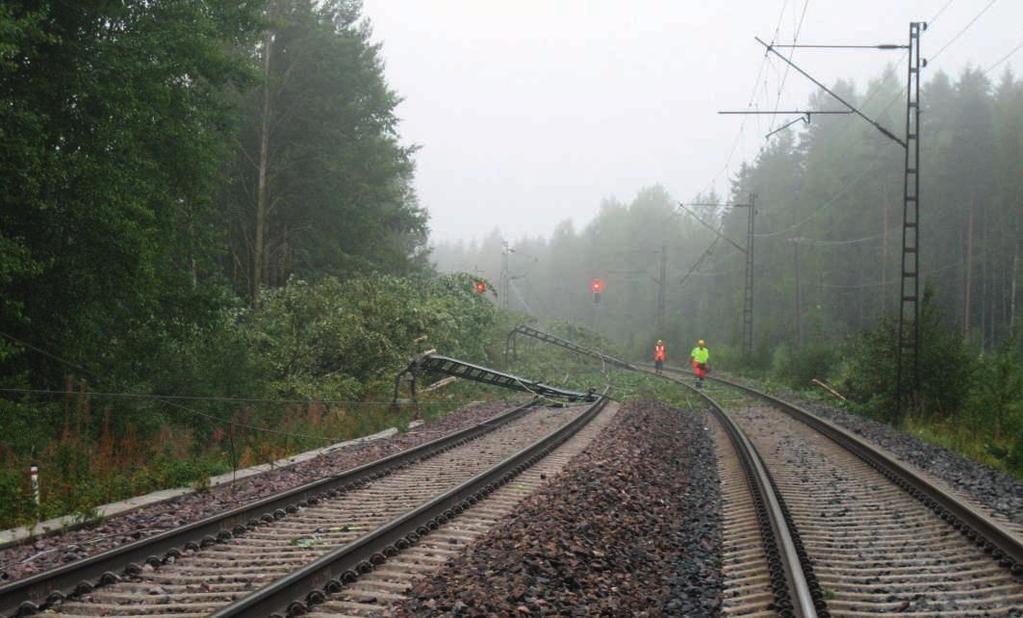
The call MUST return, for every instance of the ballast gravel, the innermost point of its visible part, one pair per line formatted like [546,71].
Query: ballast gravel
[618,533]
[998,491]
[45,553]
[697,581]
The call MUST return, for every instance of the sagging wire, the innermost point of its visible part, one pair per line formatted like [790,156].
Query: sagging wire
[174,404]
[166,398]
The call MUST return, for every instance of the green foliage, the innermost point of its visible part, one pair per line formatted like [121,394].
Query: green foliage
[15,497]
[112,124]
[995,405]
[946,366]
[130,131]
[797,367]
[330,340]
[339,340]
[340,196]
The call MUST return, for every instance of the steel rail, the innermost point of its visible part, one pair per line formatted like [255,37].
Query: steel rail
[29,595]
[297,592]
[796,591]
[1003,546]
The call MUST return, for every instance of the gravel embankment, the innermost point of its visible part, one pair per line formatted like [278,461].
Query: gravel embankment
[996,490]
[999,492]
[618,533]
[697,582]
[45,553]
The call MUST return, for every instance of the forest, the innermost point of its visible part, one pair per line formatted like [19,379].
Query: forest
[827,247]
[211,253]
[828,210]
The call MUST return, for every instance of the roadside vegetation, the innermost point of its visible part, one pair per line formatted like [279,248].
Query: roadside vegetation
[314,364]
[211,253]
[971,400]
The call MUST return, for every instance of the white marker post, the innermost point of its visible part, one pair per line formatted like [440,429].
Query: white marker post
[34,473]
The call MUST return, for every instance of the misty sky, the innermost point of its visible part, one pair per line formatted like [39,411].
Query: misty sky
[531,111]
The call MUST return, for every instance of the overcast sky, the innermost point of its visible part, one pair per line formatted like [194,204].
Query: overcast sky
[529,112]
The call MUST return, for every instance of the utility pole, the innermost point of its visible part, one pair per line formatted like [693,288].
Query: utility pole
[907,379]
[747,301]
[662,284]
[747,296]
[505,280]
[799,300]
[909,290]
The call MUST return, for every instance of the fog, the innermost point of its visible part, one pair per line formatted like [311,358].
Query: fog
[531,112]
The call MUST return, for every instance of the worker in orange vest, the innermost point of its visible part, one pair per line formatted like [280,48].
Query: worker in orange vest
[659,356]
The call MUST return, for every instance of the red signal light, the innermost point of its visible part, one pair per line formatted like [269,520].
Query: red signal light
[480,287]
[597,286]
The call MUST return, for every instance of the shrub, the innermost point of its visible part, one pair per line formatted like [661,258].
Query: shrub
[946,364]
[995,404]
[15,500]
[797,367]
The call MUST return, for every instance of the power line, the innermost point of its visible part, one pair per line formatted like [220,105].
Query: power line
[900,94]
[959,264]
[836,96]
[50,355]
[861,286]
[699,261]
[1004,58]
[830,243]
[171,398]
[902,91]
[963,31]
[834,198]
[742,125]
[171,403]
[940,11]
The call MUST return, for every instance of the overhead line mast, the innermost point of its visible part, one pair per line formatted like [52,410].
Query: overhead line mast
[907,380]
[747,298]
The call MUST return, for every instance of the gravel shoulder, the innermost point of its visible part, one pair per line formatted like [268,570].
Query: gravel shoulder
[45,553]
[997,491]
[627,529]
[1000,493]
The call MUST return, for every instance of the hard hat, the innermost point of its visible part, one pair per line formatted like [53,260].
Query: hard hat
[660,341]
[700,342]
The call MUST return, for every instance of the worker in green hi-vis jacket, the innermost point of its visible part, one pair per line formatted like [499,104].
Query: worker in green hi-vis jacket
[699,357]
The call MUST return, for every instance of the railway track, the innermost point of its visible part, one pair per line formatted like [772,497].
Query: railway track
[765,570]
[872,534]
[373,593]
[816,522]
[878,536]
[764,566]
[263,558]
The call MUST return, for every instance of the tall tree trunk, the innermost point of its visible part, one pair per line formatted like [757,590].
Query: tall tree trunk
[885,295]
[258,257]
[1012,289]
[968,284]
[985,323]
[799,302]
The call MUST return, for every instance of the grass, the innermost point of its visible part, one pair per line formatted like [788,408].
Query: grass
[960,438]
[82,469]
